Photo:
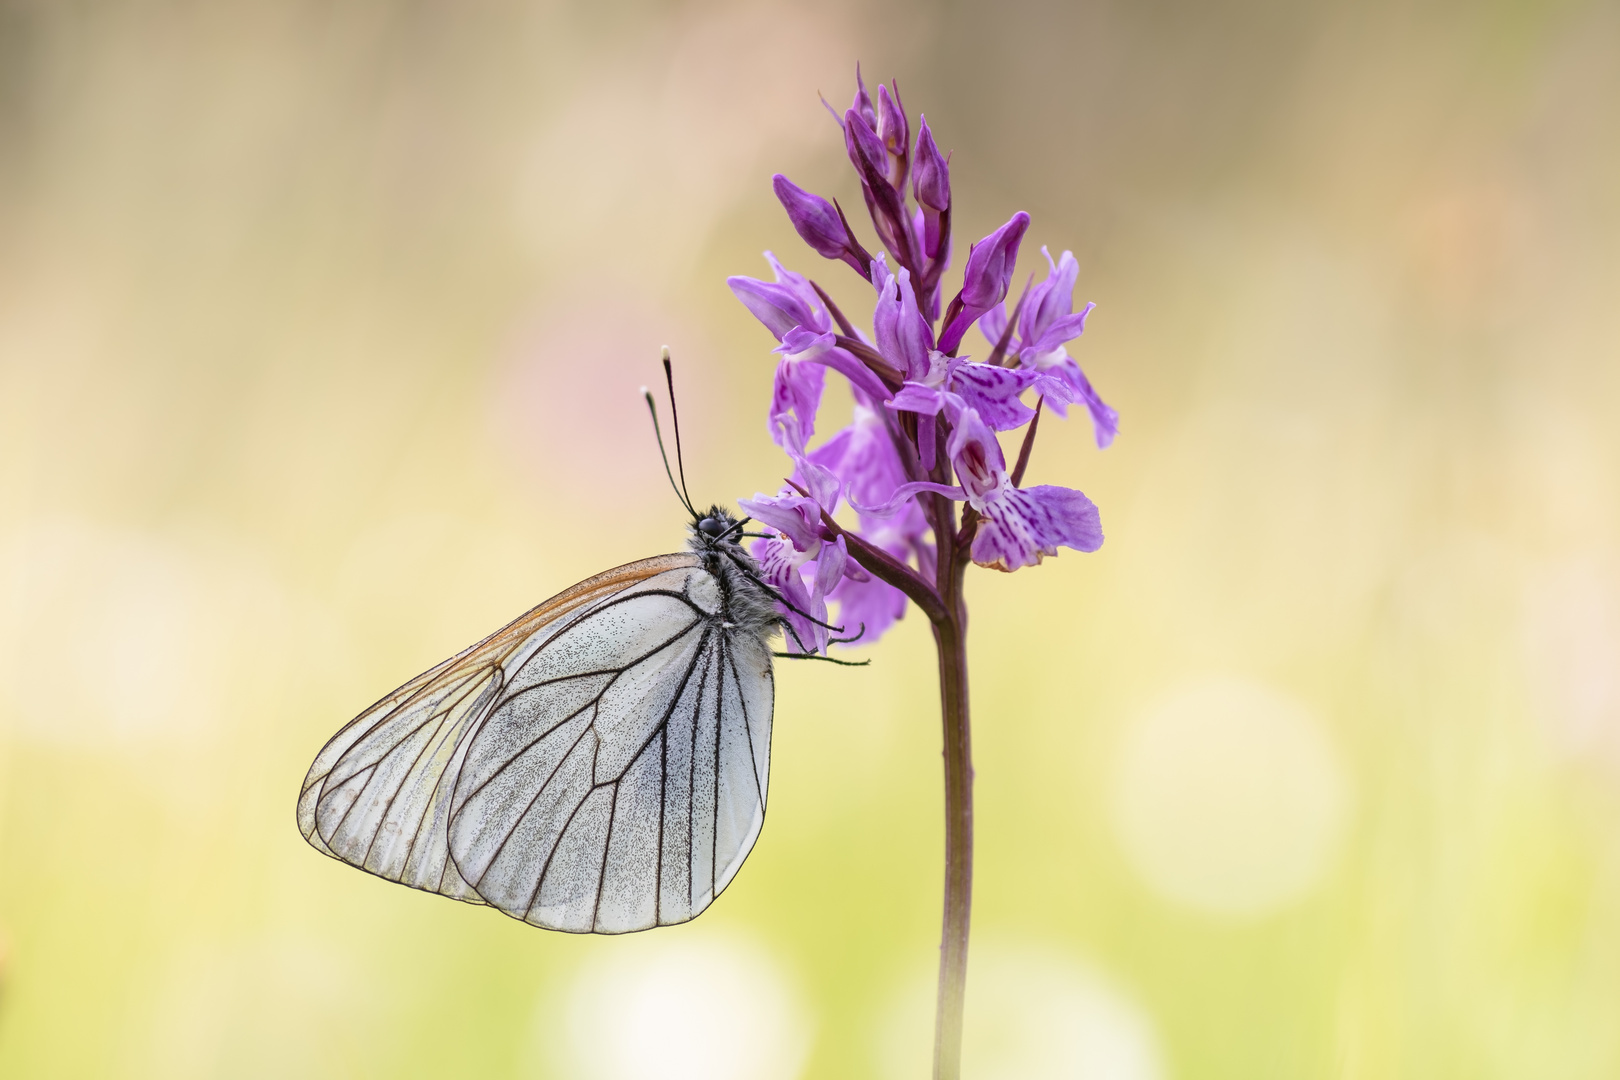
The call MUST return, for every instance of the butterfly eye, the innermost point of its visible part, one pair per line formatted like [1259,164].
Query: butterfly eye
[710,526]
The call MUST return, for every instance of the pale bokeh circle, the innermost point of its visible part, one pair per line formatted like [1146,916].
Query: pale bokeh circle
[1229,798]
[114,636]
[1032,1014]
[699,1008]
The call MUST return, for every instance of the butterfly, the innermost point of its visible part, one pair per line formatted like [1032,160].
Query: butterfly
[600,764]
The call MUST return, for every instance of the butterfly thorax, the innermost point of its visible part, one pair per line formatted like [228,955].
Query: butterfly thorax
[747,603]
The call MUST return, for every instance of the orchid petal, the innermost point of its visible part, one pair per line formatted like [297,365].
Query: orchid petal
[993,393]
[993,323]
[801,346]
[1064,383]
[1060,331]
[866,604]
[794,516]
[903,494]
[772,305]
[892,127]
[1051,299]
[917,398]
[977,458]
[903,335]
[795,397]
[1026,524]
[821,482]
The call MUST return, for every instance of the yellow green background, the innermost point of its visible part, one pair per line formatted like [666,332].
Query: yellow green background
[321,327]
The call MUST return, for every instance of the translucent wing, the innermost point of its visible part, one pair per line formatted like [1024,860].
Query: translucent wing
[378,794]
[598,765]
[620,780]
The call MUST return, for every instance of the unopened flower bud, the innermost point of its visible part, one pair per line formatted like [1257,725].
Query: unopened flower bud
[866,151]
[931,172]
[990,265]
[984,280]
[813,217]
[820,225]
[892,127]
[862,105]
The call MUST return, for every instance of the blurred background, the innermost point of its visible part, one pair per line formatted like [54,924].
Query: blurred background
[321,327]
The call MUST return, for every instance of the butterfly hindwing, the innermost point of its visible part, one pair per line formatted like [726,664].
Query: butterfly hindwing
[589,794]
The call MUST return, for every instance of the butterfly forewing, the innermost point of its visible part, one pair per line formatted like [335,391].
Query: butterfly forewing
[597,765]
[377,795]
[383,796]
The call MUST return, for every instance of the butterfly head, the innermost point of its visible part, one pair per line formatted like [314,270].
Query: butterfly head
[713,528]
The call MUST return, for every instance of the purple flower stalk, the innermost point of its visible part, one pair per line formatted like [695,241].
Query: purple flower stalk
[920,470]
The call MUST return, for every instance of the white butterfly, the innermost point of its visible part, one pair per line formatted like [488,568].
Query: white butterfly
[598,765]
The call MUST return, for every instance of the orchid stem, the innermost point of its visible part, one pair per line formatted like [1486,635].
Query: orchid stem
[950,636]
[943,604]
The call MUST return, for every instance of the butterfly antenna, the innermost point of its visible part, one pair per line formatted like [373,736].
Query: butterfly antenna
[675,421]
[652,408]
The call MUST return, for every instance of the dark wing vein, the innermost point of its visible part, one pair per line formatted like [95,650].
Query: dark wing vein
[658,729]
[691,789]
[615,673]
[719,720]
[540,789]
[437,715]
[440,715]
[748,729]
[598,609]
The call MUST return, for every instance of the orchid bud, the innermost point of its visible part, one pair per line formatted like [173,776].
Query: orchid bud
[931,176]
[820,225]
[866,151]
[862,105]
[813,217]
[984,280]
[891,125]
[885,204]
[990,265]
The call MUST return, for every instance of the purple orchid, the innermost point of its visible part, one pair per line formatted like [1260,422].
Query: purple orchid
[799,563]
[865,466]
[892,509]
[783,305]
[992,391]
[804,584]
[1021,525]
[1047,324]
[884,466]
[792,311]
